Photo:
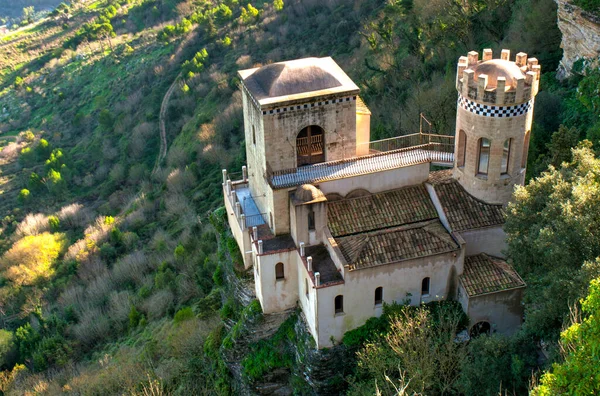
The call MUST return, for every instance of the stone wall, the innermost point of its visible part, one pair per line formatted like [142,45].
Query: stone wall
[580,36]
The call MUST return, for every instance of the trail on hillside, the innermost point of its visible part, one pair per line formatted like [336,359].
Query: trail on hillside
[162,153]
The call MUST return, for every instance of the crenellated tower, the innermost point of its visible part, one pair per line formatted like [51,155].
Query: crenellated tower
[493,122]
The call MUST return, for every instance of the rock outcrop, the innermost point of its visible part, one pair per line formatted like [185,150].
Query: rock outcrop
[580,36]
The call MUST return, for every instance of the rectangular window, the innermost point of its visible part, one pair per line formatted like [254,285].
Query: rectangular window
[484,156]
[311,219]
[379,296]
[339,304]
[505,156]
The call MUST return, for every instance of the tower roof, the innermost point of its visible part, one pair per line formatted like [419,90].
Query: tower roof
[296,79]
[495,68]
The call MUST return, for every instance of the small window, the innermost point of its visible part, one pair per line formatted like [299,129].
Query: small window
[425,287]
[505,156]
[279,271]
[462,149]
[379,296]
[306,287]
[484,156]
[311,219]
[339,304]
[525,150]
[253,135]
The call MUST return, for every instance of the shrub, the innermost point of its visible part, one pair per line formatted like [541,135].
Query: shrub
[31,258]
[183,314]
[52,351]
[7,345]
[218,277]
[278,5]
[24,196]
[134,317]
[54,223]
[27,136]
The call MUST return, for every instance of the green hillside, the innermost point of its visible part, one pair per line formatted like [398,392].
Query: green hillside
[113,251]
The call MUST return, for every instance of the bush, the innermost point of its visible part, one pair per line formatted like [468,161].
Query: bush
[7,345]
[183,314]
[54,223]
[24,196]
[31,258]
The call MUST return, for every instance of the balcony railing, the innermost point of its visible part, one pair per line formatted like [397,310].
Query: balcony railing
[425,141]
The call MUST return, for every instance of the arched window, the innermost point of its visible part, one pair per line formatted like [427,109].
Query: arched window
[505,156]
[462,149]
[425,286]
[310,145]
[339,304]
[253,135]
[525,150]
[480,328]
[279,271]
[379,296]
[484,156]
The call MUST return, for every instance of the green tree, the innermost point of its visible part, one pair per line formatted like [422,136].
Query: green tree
[7,345]
[278,5]
[552,231]
[28,13]
[578,374]
[24,196]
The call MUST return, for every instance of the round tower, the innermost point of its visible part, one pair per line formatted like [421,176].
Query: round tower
[493,122]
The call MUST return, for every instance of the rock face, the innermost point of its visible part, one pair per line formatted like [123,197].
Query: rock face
[580,36]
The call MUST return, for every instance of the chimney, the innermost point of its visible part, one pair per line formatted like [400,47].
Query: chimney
[317,279]
[309,262]
[260,247]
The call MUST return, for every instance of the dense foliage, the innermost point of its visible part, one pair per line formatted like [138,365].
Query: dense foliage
[114,267]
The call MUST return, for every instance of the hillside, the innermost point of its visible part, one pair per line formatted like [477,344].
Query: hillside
[115,123]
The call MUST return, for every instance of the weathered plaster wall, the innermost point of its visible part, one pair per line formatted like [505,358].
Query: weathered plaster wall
[490,240]
[242,237]
[580,36]
[363,133]
[301,233]
[493,188]
[503,311]
[276,295]
[399,281]
[381,181]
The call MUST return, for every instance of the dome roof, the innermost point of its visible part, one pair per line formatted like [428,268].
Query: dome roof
[495,68]
[308,193]
[291,78]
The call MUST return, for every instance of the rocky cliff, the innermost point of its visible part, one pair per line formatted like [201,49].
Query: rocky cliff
[580,35]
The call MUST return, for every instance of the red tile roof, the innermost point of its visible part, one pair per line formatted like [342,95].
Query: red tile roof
[388,209]
[484,274]
[391,245]
[464,212]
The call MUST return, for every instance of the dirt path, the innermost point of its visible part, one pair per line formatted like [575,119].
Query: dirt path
[163,129]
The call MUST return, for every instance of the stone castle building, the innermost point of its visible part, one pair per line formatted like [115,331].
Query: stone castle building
[339,225]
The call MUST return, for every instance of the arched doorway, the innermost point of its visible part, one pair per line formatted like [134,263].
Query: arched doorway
[480,328]
[310,145]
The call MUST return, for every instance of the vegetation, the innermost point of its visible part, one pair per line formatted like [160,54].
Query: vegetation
[114,258]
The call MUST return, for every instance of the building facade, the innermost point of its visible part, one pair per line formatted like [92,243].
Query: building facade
[338,225]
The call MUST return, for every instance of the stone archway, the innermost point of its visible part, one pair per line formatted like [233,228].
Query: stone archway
[310,146]
[480,328]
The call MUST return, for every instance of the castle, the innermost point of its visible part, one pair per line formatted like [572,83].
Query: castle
[339,225]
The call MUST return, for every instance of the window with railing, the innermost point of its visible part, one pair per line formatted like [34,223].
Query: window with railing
[310,147]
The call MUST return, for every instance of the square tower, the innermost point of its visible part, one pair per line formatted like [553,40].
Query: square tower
[296,113]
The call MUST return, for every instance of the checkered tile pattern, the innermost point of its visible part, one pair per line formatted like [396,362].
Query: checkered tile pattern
[493,111]
[308,105]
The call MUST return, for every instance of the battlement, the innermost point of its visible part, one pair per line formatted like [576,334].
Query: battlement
[500,81]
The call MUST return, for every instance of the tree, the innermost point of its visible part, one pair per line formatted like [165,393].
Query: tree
[32,258]
[6,347]
[278,5]
[552,230]
[580,347]
[28,13]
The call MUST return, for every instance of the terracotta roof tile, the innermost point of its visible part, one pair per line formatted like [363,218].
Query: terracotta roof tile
[392,245]
[485,274]
[388,209]
[464,212]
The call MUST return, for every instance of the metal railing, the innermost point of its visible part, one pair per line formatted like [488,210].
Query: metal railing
[426,141]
